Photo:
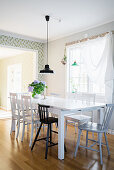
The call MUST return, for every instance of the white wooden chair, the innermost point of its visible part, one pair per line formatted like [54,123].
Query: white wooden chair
[16,113]
[34,105]
[29,116]
[79,118]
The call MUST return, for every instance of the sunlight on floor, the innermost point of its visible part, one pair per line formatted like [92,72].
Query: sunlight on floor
[5,114]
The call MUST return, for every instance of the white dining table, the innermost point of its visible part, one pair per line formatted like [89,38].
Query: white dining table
[63,107]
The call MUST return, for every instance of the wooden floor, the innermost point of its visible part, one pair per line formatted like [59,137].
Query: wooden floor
[16,155]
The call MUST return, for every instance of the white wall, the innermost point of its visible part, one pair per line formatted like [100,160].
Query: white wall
[57,82]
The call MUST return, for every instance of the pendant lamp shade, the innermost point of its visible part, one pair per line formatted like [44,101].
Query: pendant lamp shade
[46,69]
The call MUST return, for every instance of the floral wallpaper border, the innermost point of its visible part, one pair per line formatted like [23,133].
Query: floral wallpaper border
[25,44]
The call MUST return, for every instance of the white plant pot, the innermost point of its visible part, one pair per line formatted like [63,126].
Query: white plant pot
[37,96]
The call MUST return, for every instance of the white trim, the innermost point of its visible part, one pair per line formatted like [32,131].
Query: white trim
[66,73]
[35,66]
[18,48]
[35,58]
[35,62]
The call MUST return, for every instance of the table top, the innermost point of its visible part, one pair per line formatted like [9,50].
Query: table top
[67,104]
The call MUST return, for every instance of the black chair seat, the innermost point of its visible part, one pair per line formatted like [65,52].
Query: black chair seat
[50,120]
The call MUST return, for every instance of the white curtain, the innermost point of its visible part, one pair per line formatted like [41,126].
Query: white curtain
[98,61]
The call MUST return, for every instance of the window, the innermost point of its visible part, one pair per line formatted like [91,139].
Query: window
[77,77]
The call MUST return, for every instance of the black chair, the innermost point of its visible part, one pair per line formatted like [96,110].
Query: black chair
[45,119]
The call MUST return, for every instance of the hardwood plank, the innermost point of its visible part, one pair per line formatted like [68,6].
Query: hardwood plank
[16,155]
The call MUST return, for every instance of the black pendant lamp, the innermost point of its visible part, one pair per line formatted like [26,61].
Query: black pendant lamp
[47,70]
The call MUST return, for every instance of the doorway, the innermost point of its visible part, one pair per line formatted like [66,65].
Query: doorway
[18,68]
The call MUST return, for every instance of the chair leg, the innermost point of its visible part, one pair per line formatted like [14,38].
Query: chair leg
[65,148]
[23,131]
[12,126]
[17,123]
[43,127]
[93,135]
[18,129]
[36,127]
[86,138]
[47,140]
[50,134]
[75,127]
[52,126]
[56,125]
[92,122]
[107,143]
[32,131]
[100,147]
[27,126]
[79,123]
[36,137]
[65,128]
[78,141]
[78,132]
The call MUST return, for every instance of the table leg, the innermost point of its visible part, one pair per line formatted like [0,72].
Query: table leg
[61,136]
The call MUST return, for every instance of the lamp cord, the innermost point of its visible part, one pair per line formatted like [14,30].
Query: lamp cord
[47,42]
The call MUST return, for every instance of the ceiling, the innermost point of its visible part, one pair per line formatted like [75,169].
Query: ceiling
[10,52]
[26,17]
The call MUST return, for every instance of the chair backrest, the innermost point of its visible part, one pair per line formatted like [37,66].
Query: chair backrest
[107,116]
[14,104]
[27,106]
[55,94]
[20,94]
[84,97]
[43,112]
[88,97]
[71,96]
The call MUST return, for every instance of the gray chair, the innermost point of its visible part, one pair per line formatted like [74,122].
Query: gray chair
[96,128]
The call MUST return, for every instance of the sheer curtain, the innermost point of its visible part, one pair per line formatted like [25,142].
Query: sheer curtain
[98,61]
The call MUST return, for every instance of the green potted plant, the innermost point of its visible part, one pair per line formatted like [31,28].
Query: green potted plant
[37,88]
